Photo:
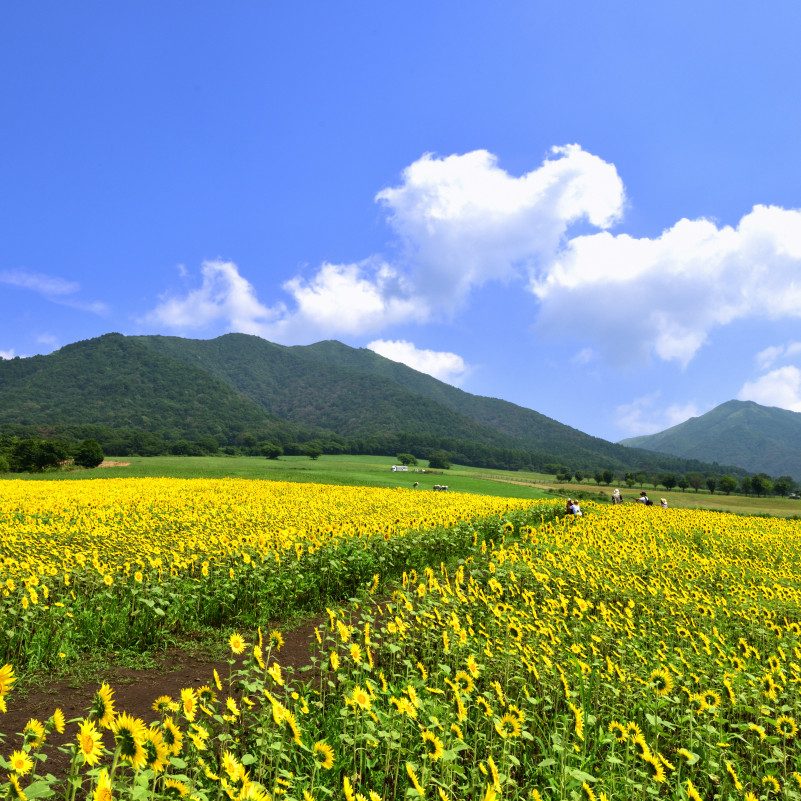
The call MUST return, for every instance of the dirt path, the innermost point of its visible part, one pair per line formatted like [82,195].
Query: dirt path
[134,692]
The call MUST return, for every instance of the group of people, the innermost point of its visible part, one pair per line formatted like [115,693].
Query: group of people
[643,499]
[572,507]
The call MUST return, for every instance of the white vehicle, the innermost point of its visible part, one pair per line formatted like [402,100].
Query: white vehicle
[400,468]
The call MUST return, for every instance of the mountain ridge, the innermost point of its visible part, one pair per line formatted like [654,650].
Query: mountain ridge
[240,388]
[758,438]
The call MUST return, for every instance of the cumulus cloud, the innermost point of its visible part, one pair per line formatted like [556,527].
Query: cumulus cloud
[464,220]
[448,367]
[347,299]
[665,295]
[780,387]
[224,297]
[7,354]
[643,415]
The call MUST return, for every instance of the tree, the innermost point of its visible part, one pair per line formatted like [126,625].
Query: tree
[312,450]
[640,479]
[34,455]
[727,484]
[439,460]
[711,484]
[783,485]
[683,483]
[608,476]
[89,454]
[668,481]
[406,458]
[745,485]
[579,476]
[599,477]
[272,450]
[695,480]
[565,477]
[761,485]
[630,480]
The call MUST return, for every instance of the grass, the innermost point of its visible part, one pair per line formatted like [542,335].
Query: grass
[364,471]
[374,471]
[736,504]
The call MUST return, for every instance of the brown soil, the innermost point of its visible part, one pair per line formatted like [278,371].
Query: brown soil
[134,693]
[114,464]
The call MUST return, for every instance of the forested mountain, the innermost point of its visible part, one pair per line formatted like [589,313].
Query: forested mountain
[241,390]
[758,438]
[117,382]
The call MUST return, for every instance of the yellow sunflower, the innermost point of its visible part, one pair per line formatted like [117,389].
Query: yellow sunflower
[90,743]
[324,755]
[434,747]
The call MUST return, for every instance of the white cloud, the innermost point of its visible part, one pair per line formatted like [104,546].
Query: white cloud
[584,356]
[643,416]
[665,295]
[52,288]
[465,221]
[780,387]
[347,299]
[768,357]
[48,285]
[224,297]
[7,354]
[47,339]
[448,367]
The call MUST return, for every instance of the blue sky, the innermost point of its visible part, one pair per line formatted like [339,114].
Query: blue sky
[589,209]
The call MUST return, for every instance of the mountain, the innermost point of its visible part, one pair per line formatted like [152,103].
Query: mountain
[241,390]
[357,393]
[757,438]
[117,382]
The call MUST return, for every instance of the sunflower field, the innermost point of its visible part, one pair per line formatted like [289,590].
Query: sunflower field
[632,653]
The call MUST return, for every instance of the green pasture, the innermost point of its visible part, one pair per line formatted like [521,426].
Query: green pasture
[374,471]
[366,471]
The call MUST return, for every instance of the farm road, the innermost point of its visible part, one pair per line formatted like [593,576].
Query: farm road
[134,693]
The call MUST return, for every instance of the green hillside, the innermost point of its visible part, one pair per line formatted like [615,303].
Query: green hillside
[116,382]
[359,394]
[757,438]
[530,429]
[321,393]
[241,390]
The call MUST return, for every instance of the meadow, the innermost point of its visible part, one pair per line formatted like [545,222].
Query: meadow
[374,471]
[474,647]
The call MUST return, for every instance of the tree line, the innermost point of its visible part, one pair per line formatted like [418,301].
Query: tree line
[760,484]
[33,455]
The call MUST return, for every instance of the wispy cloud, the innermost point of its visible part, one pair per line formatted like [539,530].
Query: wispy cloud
[448,367]
[769,356]
[53,288]
[48,285]
[644,416]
